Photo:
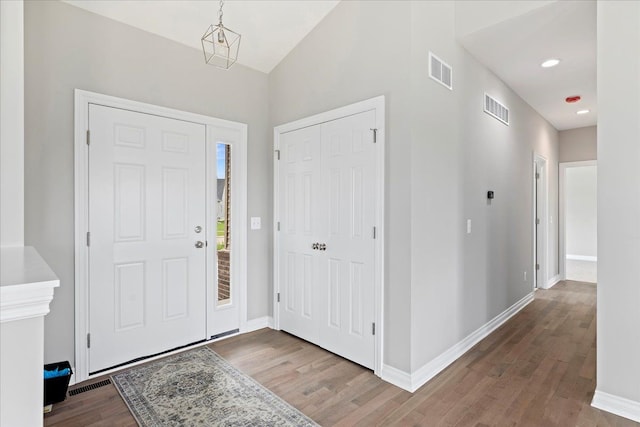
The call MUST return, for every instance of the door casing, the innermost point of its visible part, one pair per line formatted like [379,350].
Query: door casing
[216,129]
[378,105]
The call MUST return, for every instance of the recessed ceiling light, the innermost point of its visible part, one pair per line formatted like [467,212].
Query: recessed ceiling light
[582,111]
[550,63]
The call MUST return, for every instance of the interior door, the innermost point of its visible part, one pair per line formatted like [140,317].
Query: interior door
[347,261]
[538,224]
[300,219]
[146,270]
[327,217]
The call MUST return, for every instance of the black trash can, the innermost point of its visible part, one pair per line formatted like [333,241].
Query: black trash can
[55,389]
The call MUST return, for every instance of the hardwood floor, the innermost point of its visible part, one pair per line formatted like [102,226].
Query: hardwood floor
[536,370]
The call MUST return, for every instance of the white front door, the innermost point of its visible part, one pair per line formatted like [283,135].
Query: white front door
[147,289]
[327,216]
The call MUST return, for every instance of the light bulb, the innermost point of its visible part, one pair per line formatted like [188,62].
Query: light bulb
[221,38]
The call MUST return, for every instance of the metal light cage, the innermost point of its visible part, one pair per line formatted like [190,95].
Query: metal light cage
[220,46]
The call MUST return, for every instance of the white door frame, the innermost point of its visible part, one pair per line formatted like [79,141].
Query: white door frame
[543,259]
[378,105]
[562,231]
[81,188]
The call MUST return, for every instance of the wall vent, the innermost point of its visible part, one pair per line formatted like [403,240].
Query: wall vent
[440,71]
[496,109]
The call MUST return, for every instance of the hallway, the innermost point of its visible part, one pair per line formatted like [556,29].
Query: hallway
[536,370]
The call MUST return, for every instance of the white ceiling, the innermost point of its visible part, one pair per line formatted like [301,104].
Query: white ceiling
[511,38]
[515,48]
[270,29]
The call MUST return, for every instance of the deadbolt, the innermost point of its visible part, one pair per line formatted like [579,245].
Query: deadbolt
[198,229]
[199,244]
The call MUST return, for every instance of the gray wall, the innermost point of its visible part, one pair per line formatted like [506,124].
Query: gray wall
[581,201]
[443,154]
[618,370]
[579,144]
[68,48]
[458,153]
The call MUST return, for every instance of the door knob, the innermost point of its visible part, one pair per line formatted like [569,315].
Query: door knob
[199,244]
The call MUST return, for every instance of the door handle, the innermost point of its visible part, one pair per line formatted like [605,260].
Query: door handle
[199,244]
[315,246]
[322,246]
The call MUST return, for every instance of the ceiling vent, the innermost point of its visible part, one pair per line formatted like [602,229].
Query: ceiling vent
[440,71]
[496,109]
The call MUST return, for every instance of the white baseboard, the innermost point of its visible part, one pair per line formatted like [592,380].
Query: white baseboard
[396,377]
[72,380]
[552,282]
[616,405]
[582,258]
[412,382]
[255,324]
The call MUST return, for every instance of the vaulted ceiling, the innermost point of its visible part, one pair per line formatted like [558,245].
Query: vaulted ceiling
[512,38]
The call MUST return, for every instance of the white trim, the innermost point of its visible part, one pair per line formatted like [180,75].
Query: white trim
[26,301]
[12,152]
[412,382]
[378,105]
[26,284]
[81,188]
[256,324]
[552,282]
[582,258]
[616,405]
[562,175]
[396,377]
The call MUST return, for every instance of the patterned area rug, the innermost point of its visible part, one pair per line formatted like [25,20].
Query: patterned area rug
[198,387]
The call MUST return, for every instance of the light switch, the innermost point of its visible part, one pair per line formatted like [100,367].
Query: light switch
[468,226]
[255,223]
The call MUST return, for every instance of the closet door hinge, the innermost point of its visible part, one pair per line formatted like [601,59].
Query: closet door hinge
[88,136]
[374,232]
[537,266]
[278,225]
[373,328]
[537,175]
[375,135]
[88,340]
[277,154]
[278,297]
[537,221]
[88,238]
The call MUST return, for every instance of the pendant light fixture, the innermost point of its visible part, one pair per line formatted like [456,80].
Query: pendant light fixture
[220,44]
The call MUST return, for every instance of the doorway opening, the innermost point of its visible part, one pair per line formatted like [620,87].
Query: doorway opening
[578,221]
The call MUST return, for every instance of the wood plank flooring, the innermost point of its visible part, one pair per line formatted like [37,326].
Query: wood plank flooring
[536,370]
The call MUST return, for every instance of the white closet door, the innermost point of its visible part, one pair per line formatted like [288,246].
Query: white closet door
[347,264]
[146,196]
[300,219]
[327,196]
